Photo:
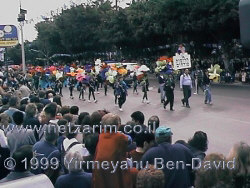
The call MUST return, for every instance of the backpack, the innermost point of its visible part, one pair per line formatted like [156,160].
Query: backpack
[63,153]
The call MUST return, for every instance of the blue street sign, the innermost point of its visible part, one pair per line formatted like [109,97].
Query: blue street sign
[8,36]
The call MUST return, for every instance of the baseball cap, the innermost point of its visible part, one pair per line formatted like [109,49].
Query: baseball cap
[163,131]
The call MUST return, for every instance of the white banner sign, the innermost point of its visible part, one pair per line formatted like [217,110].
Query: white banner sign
[182,61]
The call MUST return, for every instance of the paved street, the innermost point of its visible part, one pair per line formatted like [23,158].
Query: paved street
[226,122]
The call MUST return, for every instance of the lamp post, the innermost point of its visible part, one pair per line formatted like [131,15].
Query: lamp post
[20,19]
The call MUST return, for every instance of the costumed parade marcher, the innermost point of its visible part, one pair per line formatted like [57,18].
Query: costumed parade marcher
[81,90]
[198,78]
[135,84]
[207,88]
[122,92]
[105,87]
[92,90]
[145,92]
[60,86]
[169,91]
[71,87]
[116,92]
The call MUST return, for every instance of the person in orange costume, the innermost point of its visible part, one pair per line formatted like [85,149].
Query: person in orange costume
[112,147]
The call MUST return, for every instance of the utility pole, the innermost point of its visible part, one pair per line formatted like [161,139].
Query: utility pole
[21,19]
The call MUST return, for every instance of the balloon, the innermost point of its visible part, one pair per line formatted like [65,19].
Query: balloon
[161,63]
[98,62]
[59,75]
[163,58]
[140,77]
[38,69]
[122,71]
[79,70]
[71,74]
[80,76]
[72,69]
[111,79]
[52,68]
[97,69]
[214,72]
[130,67]
[114,68]
[143,68]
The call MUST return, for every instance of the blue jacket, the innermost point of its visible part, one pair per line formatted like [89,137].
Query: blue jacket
[121,88]
[176,177]
[74,180]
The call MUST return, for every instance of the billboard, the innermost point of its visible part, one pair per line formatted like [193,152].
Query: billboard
[8,36]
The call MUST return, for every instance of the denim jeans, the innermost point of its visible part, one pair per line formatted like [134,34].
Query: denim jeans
[208,97]
[163,95]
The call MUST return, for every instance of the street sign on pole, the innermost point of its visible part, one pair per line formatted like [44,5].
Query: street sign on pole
[2,54]
[8,36]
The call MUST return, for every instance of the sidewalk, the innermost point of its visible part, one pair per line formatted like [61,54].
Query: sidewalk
[236,83]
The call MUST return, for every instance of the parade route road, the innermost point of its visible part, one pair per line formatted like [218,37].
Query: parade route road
[226,122]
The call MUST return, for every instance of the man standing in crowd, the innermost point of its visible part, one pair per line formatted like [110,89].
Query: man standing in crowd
[186,85]
[14,105]
[76,176]
[19,136]
[44,148]
[165,152]
[20,170]
[138,117]
[144,141]
[169,90]
[42,97]
[24,90]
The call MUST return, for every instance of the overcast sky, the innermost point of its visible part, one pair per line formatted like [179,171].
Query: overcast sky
[9,10]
